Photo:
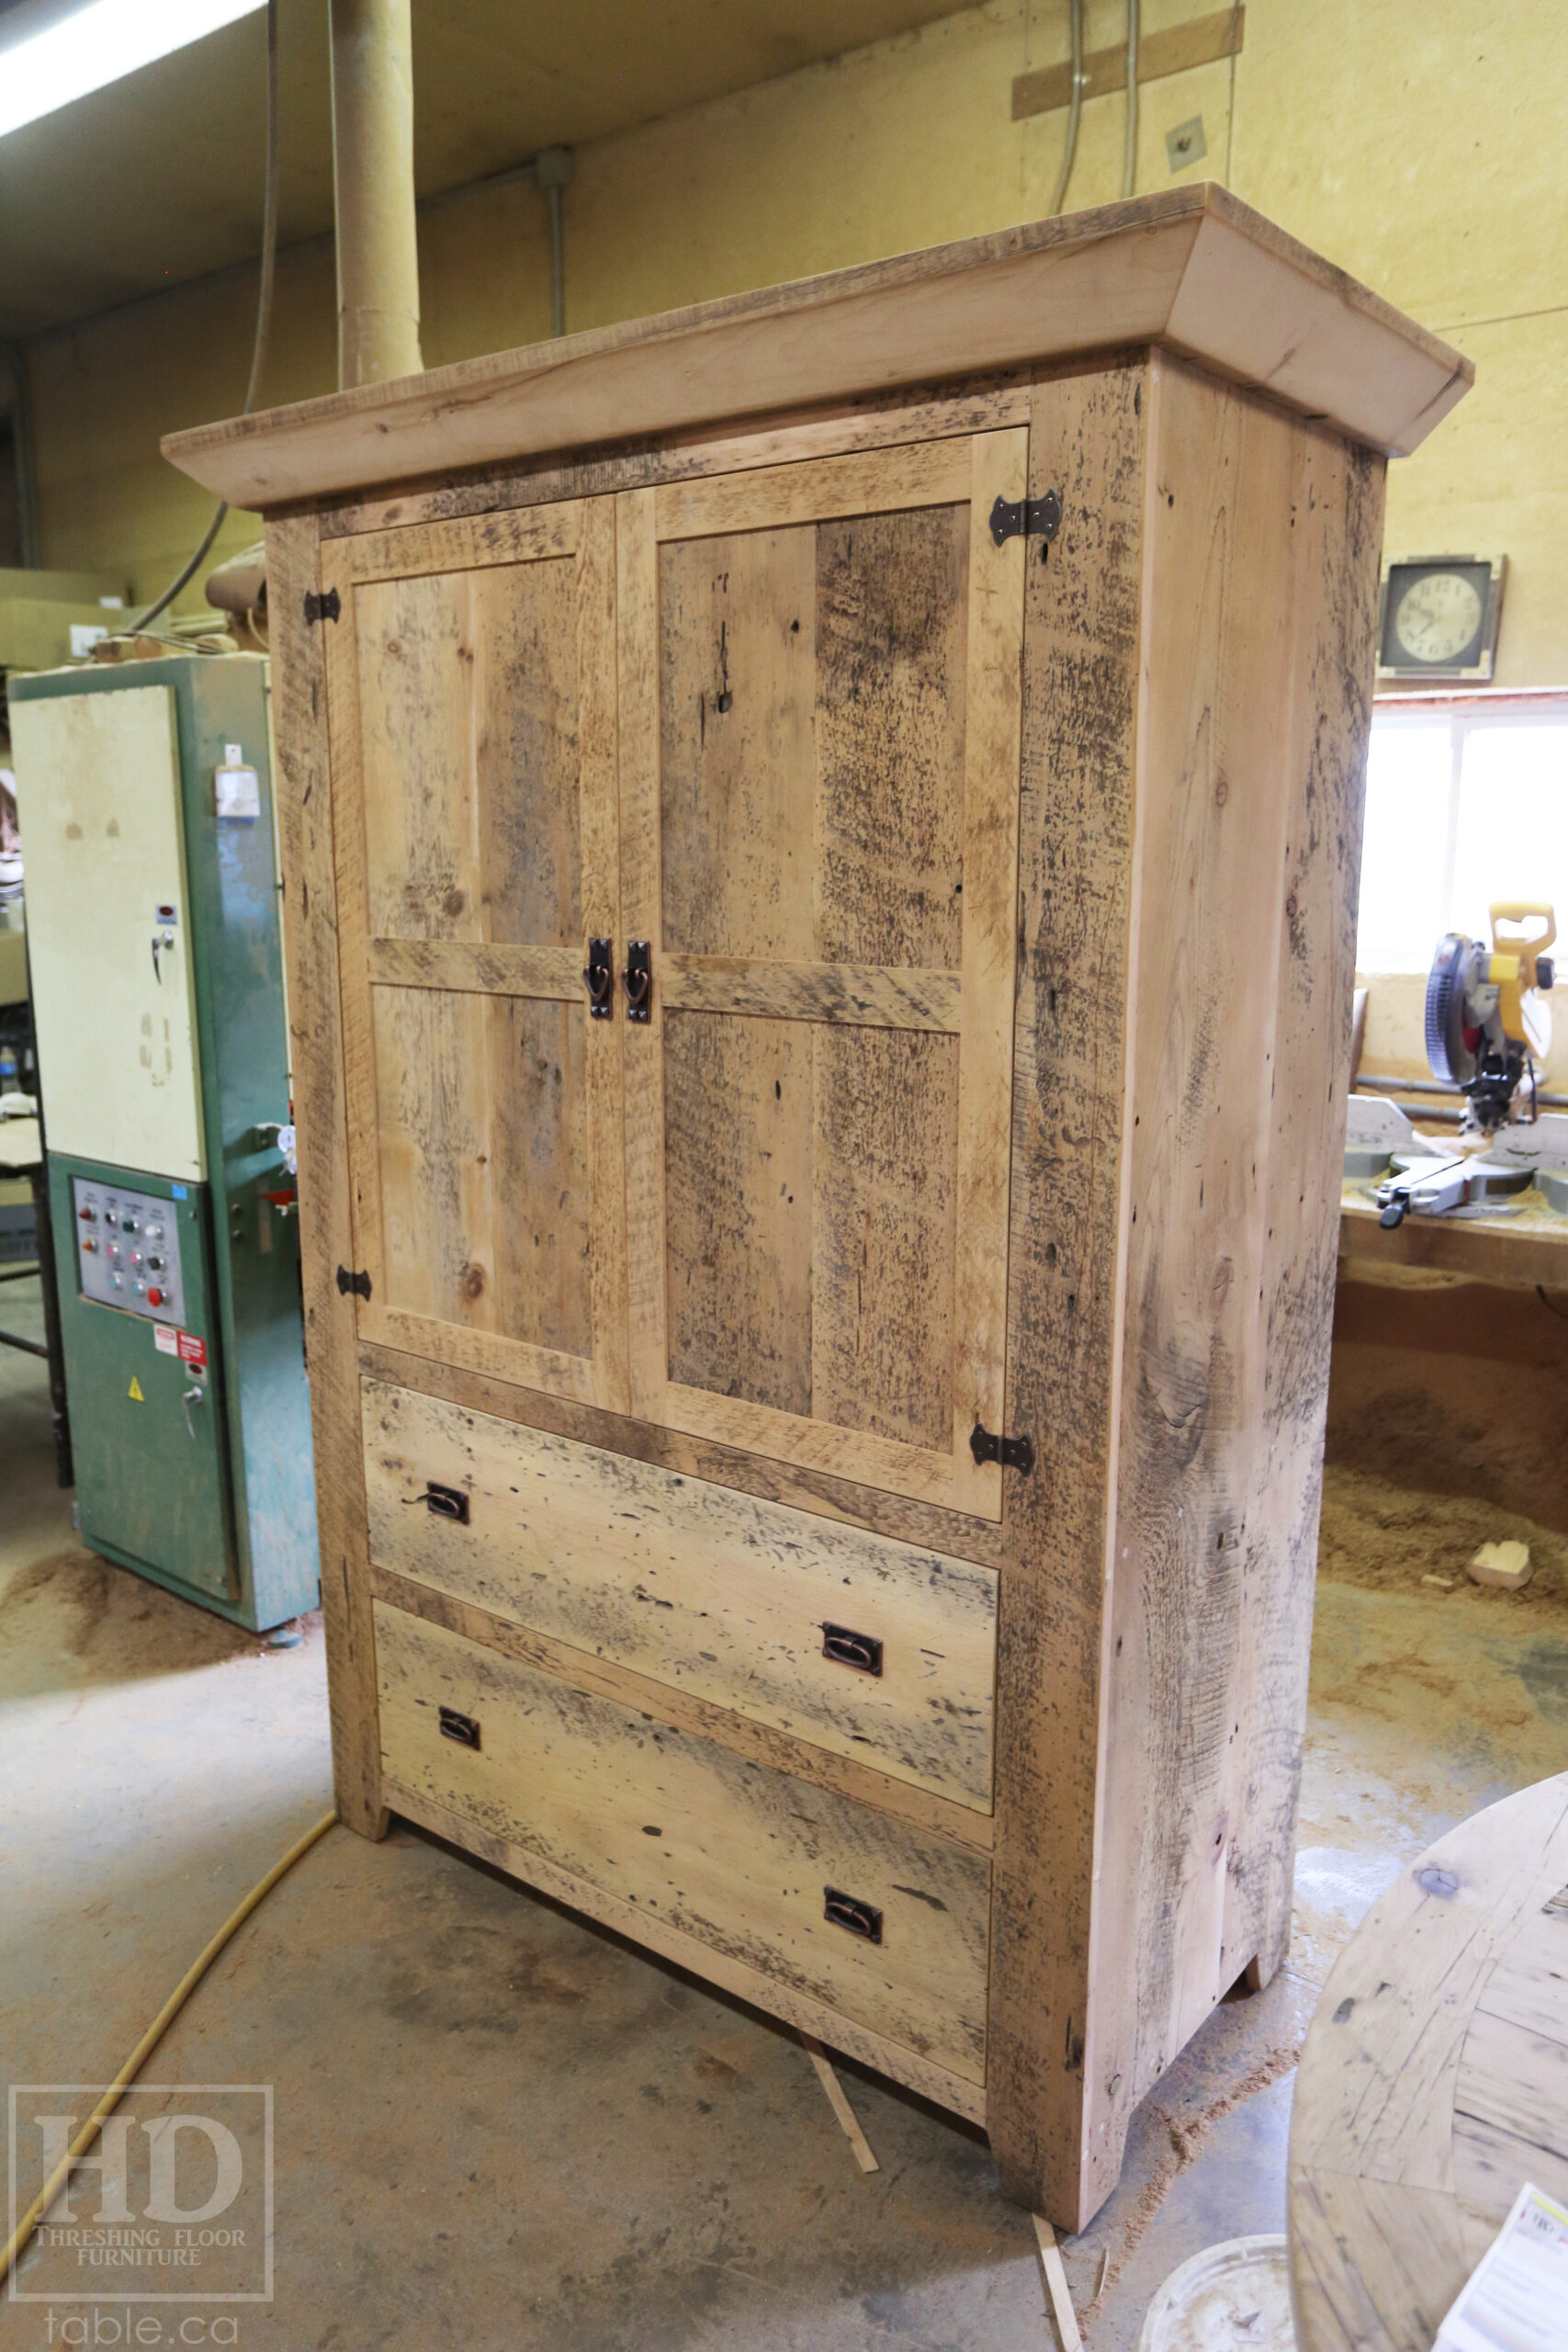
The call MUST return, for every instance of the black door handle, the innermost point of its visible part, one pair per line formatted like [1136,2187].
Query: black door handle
[638,979]
[600,978]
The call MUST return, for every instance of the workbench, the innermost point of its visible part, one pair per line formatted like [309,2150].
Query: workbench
[1523,1251]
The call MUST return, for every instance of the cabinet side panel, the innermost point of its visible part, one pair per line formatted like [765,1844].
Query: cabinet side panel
[1262,567]
[309,933]
[1329,723]
[1080,657]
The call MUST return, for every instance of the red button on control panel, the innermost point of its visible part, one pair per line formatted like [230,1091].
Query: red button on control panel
[154,1297]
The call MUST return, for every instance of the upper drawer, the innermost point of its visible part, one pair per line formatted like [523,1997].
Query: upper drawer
[726,1595]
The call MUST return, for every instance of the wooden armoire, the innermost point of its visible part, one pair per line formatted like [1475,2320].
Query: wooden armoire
[820,839]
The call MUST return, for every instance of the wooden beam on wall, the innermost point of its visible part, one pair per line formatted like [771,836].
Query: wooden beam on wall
[1175,50]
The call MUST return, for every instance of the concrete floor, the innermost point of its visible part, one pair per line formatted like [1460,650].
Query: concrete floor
[498,2126]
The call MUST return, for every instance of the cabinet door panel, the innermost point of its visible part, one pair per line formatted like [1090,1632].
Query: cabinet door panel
[471,699]
[820,686]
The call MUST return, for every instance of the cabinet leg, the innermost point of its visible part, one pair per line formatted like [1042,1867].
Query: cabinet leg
[1052,2172]
[358,1793]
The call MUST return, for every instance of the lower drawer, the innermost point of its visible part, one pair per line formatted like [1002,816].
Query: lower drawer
[740,1857]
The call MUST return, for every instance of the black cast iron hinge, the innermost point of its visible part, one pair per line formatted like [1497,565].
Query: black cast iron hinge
[358,1283]
[322,608]
[1012,1452]
[1034,518]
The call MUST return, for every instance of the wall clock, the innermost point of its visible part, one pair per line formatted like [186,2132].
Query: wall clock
[1438,616]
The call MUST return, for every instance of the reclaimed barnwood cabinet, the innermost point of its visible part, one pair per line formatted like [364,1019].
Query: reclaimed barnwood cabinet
[820,839]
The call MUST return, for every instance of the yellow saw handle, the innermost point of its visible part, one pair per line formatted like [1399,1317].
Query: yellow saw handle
[1512,969]
[1521,911]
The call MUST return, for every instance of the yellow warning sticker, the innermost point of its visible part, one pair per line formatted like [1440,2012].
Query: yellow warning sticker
[134,1391]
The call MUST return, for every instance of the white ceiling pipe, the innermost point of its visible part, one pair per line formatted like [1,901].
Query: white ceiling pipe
[378,255]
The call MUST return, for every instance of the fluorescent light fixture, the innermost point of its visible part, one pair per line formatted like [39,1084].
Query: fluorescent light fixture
[98,44]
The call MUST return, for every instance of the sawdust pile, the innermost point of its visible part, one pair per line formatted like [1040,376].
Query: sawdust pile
[1387,1537]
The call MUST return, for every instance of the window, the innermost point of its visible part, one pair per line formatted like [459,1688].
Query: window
[1467,803]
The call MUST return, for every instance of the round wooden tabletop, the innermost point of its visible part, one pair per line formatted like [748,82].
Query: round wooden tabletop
[1433,2081]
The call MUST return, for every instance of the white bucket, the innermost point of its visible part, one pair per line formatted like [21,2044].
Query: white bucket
[1230,2298]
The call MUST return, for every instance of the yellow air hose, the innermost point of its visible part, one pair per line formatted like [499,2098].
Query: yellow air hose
[150,2039]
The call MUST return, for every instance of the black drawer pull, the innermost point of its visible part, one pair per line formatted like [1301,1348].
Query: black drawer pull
[848,1911]
[863,1651]
[464,1729]
[446,1502]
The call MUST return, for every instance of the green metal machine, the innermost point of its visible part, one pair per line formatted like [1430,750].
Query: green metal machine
[145,798]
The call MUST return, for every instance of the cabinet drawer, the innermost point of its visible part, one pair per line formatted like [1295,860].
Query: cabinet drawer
[729,1597]
[738,1856]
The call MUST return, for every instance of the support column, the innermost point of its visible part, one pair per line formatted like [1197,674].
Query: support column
[377,258]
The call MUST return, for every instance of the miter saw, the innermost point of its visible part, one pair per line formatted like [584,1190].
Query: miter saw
[1488,1024]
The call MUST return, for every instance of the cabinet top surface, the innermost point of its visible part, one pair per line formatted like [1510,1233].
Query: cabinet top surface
[1192,269]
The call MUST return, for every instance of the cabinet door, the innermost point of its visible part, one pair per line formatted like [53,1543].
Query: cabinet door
[820,684]
[470,687]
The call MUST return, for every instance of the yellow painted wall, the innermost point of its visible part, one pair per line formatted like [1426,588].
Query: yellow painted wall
[1415,141]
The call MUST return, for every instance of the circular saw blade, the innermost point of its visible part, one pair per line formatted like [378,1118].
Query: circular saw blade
[1451,1056]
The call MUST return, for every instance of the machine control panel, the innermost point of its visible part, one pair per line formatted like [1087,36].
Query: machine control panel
[127,1250]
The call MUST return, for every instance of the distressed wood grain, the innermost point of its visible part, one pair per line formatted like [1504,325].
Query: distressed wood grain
[748,1981]
[876,421]
[992,722]
[719,1593]
[903,1518]
[431,546]
[729,1852]
[1192,266]
[465,967]
[871,996]
[684,1710]
[923,473]
[1082,622]
[839,735]
[1261,546]
[476,713]
[303,771]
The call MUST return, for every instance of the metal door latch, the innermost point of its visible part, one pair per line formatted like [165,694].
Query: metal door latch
[863,1651]
[446,1502]
[359,1284]
[464,1729]
[322,608]
[848,1911]
[638,979]
[1012,1452]
[194,1395]
[1034,518]
[600,978]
